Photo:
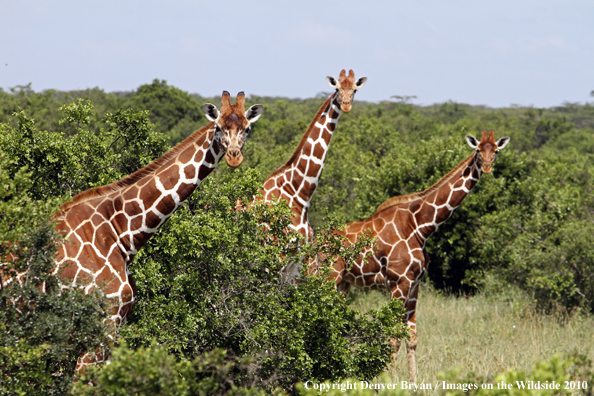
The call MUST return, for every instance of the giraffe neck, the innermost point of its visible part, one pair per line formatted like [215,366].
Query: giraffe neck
[435,205]
[297,180]
[138,205]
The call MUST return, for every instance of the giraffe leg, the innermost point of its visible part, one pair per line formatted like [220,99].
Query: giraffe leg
[343,287]
[411,349]
[338,276]
[396,345]
[407,293]
[120,311]
[100,354]
[411,343]
[93,358]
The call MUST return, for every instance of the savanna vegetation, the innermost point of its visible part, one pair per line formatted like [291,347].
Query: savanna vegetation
[211,315]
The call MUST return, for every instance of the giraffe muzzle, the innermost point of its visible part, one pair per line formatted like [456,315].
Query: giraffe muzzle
[486,168]
[233,157]
[345,107]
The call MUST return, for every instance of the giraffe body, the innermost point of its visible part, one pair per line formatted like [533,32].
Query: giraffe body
[105,227]
[296,181]
[401,227]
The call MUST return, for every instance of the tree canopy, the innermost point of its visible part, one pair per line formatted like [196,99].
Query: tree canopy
[208,289]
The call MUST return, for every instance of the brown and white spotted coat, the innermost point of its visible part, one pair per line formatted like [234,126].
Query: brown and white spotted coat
[105,227]
[296,181]
[401,227]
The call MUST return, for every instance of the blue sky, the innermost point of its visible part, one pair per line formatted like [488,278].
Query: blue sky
[497,53]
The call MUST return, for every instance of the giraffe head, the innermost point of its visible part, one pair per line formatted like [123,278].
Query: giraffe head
[346,88]
[487,149]
[232,125]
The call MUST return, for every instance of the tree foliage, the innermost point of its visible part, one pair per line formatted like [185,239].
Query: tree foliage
[210,278]
[172,110]
[206,281]
[62,164]
[153,371]
[43,328]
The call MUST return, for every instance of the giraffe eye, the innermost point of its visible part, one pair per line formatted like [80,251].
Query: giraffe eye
[496,151]
[478,151]
[217,128]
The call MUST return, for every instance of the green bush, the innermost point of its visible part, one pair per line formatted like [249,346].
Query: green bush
[172,110]
[206,281]
[43,328]
[63,165]
[528,225]
[153,371]
[40,320]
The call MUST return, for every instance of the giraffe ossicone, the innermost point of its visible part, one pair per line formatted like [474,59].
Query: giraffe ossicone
[105,227]
[401,226]
[296,181]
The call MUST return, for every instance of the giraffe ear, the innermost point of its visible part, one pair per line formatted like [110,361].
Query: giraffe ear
[254,113]
[211,112]
[472,142]
[501,143]
[360,82]
[331,81]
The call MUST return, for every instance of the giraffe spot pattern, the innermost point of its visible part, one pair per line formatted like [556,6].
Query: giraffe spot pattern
[299,180]
[130,193]
[190,172]
[170,178]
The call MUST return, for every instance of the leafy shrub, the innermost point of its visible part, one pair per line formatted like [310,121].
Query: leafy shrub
[62,165]
[172,110]
[43,328]
[153,371]
[206,281]
[41,321]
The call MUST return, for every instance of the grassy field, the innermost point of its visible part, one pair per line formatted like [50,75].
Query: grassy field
[484,335]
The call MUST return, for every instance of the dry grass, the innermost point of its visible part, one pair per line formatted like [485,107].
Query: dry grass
[484,335]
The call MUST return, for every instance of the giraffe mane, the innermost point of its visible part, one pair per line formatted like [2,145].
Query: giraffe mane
[303,140]
[421,194]
[137,175]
